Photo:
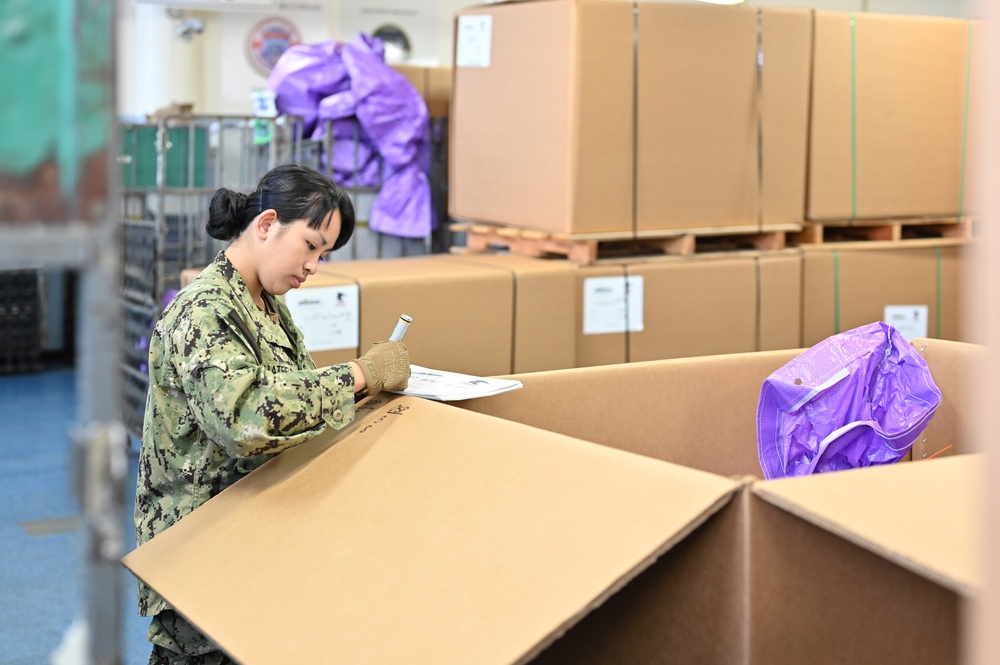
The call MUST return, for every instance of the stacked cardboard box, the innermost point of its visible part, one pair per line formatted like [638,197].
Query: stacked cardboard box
[584,116]
[461,311]
[688,306]
[433,84]
[891,126]
[544,313]
[474,538]
[497,314]
[849,285]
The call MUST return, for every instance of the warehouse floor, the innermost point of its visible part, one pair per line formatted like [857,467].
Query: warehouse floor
[41,570]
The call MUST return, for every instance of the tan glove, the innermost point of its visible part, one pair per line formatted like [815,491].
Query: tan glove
[386,366]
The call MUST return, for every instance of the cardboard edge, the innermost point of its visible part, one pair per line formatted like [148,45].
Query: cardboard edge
[678,536]
[966,590]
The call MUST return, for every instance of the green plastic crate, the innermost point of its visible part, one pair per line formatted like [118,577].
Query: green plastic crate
[139,143]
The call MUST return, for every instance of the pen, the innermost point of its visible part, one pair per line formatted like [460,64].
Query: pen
[401,327]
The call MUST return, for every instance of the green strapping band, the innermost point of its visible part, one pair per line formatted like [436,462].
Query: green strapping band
[937,292]
[836,291]
[965,122]
[854,125]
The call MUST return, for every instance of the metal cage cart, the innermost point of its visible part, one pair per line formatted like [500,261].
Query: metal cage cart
[370,244]
[169,172]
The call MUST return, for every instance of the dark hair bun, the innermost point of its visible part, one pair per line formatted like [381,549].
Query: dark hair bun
[225,214]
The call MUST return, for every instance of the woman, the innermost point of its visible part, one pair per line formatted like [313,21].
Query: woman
[230,381]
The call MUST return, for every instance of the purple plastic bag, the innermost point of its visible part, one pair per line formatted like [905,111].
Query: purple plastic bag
[380,126]
[306,74]
[856,399]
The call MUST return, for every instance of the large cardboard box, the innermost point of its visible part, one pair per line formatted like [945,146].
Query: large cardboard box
[690,393]
[477,539]
[846,285]
[544,316]
[542,127]
[713,304]
[583,116]
[433,84]
[890,127]
[461,311]
[326,309]
[721,142]
[677,307]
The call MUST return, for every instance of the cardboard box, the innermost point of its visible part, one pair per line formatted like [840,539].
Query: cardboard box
[687,393]
[326,309]
[322,304]
[713,304]
[544,314]
[602,318]
[542,136]
[483,540]
[688,306]
[706,122]
[433,84]
[827,569]
[461,311]
[846,285]
[460,534]
[890,116]
[547,133]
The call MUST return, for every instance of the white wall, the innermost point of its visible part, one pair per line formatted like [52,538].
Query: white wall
[212,71]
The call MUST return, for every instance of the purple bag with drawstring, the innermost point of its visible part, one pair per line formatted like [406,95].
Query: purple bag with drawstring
[856,399]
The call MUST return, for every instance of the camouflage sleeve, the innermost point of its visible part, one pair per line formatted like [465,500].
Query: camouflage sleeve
[251,409]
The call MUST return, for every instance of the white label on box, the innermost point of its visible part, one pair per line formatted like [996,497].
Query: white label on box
[327,316]
[612,305]
[909,320]
[475,34]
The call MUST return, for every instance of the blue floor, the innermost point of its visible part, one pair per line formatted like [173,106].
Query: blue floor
[41,564]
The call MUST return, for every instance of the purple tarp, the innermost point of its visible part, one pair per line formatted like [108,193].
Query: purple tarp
[378,121]
[856,399]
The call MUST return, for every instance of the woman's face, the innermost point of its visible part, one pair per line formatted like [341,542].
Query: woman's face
[291,252]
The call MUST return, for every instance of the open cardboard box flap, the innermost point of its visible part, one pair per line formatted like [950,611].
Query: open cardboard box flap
[873,508]
[423,533]
[429,533]
[663,409]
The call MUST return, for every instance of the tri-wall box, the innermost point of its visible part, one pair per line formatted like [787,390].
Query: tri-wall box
[326,309]
[586,116]
[677,307]
[919,288]
[544,316]
[481,539]
[433,84]
[461,311]
[893,120]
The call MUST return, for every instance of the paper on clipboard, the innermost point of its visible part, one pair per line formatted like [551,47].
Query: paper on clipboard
[450,386]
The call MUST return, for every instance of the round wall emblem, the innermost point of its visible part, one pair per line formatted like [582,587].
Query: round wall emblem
[268,40]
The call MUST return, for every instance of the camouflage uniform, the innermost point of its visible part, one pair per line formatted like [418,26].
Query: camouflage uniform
[229,388]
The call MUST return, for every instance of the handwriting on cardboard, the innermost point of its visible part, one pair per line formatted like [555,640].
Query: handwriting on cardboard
[394,411]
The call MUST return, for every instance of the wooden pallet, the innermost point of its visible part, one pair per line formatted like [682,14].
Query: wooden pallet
[889,230]
[591,248]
